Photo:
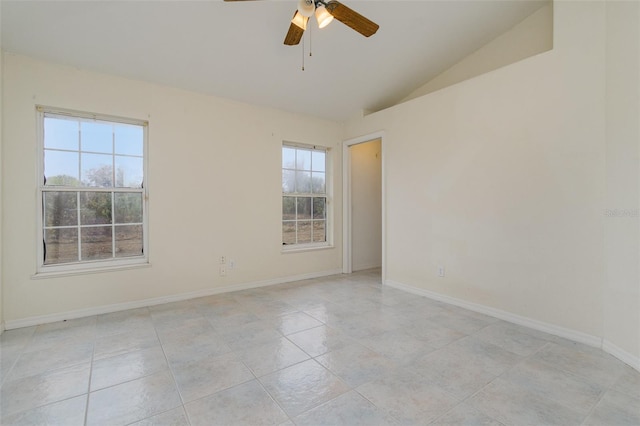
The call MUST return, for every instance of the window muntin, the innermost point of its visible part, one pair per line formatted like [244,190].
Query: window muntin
[304,196]
[92,193]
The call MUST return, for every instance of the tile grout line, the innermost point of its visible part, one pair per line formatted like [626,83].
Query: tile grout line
[51,370]
[93,351]
[499,376]
[262,386]
[600,397]
[21,352]
[522,360]
[519,361]
[173,377]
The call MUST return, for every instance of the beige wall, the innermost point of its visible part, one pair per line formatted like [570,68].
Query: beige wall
[366,205]
[503,180]
[1,192]
[622,218]
[214,189]
[530,37]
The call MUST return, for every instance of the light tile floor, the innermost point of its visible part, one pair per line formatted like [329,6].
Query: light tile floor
[342,350]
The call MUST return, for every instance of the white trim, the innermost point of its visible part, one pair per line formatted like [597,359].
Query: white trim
[98,269]
[105,309]
[80,267]
[328,196]
[545,327]
[91,116]
[301,248]
[365,266]
[556,330]
[621,354]
[347,250]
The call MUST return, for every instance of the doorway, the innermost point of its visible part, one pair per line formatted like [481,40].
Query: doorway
[363,204]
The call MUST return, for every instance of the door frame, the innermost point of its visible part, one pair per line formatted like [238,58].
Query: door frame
[347,248]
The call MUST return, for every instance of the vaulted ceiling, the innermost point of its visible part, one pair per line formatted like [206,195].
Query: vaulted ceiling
[235,49]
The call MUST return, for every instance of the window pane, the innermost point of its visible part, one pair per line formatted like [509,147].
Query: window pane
[96,243]
[129,139]
[128,208]
[61,168]
[95,208]
[319,208]
[87,219]
[96,137]
[288,158]
[303,159]
[61,134]
[288,208]
[60,208]
[304,208]
[129,172]
[128,240]
[304,232]
[97,170]
[304,173]
[288,232]
[60,245]
[318,161]
[319,232]
[288,181]
[303,182]
[318,183]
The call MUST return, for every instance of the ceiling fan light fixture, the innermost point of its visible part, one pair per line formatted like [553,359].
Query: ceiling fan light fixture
[323,16]
[306,7]
[300,21]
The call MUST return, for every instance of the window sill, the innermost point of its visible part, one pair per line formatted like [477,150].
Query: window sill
[303,248]
[96,270]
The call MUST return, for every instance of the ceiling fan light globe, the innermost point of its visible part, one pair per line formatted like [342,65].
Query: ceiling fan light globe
[323,16]
[306,7]
[300,21]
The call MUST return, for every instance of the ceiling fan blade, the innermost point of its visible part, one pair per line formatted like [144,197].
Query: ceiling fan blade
[294,35]
[352,19]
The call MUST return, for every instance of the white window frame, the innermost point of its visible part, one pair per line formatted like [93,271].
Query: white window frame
[92,266]
[328,243]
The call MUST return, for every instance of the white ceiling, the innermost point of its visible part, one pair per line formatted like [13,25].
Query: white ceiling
[235,50]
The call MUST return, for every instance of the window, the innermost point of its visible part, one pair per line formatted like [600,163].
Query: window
[304,195]
[92,192]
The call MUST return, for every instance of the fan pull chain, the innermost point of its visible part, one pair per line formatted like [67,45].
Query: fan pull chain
[310,38]
[302,52]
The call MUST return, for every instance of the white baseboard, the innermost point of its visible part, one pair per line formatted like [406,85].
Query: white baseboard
[621,354]
[566,333]
[556,330]
[356,268]
[105,309]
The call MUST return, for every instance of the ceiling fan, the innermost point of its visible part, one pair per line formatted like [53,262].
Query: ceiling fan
[325,11]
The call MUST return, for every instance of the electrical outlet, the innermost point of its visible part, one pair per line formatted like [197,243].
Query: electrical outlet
[440,271]
[223,260]
[223,271]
